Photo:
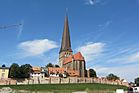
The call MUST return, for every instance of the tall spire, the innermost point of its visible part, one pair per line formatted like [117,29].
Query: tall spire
[66,44]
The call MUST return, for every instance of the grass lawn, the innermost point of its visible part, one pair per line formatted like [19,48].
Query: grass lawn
[62,87]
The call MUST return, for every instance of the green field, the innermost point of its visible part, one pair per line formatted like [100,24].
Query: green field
[62,87]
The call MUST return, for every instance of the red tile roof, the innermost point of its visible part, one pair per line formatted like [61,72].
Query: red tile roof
[77,56]
[55,70]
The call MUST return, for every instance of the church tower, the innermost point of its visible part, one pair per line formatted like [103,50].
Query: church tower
[65,50]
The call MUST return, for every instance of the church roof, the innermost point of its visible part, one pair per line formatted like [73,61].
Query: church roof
[66,44]
[77,56]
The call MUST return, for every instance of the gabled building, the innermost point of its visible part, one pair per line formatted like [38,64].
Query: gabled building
[74,63]
[55,72]
[37,73]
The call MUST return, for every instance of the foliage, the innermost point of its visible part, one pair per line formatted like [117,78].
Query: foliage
[57,66]
[49,65]
[22,71]
[52,65]
[112,77]
[14,71]
[137,81]
[25,70]
[92,73]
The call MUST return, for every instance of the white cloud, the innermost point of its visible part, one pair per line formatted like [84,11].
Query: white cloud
[20,29]
[37,47]
[128,72]
[104,25]
[94,2]
[91,50]
[91,2]
[125,59]
[134,57]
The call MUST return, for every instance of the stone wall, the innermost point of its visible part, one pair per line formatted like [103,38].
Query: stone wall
[8,82]
[57,80]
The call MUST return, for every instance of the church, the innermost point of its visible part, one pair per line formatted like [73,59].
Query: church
[71,62]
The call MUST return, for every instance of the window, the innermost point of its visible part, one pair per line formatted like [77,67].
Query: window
[3,75]
[3,70]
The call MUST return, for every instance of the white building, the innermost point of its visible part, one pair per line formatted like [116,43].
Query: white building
[37,73]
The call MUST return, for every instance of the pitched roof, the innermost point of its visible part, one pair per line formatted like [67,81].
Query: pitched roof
[77,56]
[56,69]
[66,44]
[36,68]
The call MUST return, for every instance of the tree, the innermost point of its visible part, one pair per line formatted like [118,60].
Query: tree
[49,65]
[25,70]
[57,66]
[112,77]
[22,71]
[92,73]
[137,81]
[14,71]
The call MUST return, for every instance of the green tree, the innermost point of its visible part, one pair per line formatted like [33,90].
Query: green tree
[92,73]
[49,65]
[112,77]
[137,81]
[22,71]
[25,71]
[14,71]
[57,66]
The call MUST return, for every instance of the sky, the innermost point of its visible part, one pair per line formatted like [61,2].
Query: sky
[104,31]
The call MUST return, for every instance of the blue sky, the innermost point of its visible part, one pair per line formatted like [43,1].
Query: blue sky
[105,31]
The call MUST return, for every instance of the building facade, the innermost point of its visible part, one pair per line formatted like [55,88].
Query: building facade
[74,63]
[4,72]
[55,72]
[37,73]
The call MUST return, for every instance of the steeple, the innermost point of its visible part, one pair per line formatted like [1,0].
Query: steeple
[66,44]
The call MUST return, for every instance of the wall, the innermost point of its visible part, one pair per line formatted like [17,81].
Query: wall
[57,80]
[5,72]
[8,82]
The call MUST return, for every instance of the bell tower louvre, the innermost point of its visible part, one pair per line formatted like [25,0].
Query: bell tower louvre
[65,50]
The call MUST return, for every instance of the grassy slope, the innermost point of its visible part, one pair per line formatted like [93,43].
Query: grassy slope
[77,87]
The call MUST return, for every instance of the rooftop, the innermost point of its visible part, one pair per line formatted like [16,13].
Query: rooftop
[77,56]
